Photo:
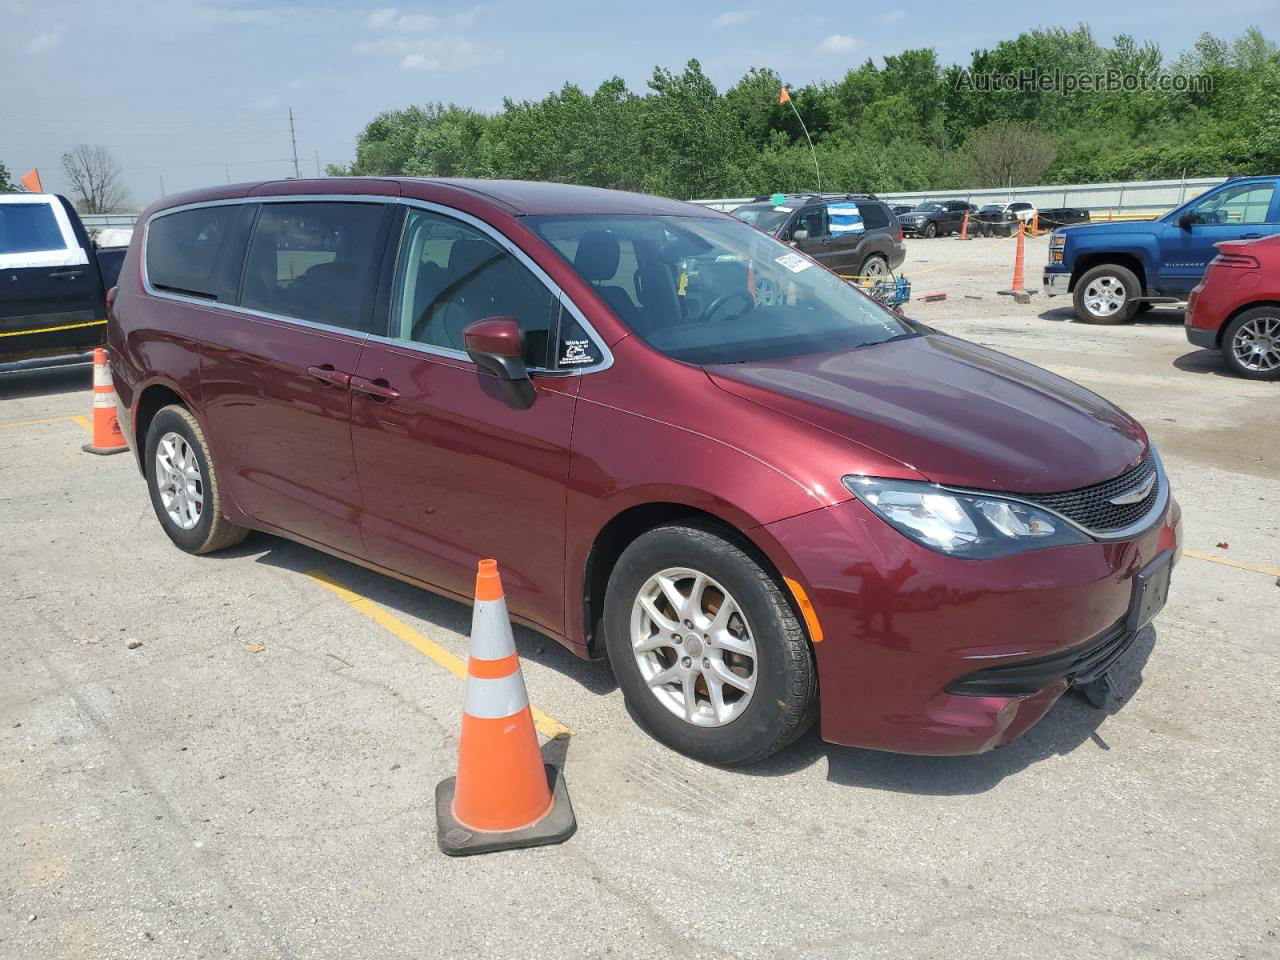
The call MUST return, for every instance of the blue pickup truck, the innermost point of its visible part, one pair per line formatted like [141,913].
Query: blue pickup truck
[1114,270]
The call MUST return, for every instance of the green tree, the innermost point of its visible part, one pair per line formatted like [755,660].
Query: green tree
[6,185]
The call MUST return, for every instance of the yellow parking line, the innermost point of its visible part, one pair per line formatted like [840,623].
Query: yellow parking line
[83,421]
[1251,567]
[548,726]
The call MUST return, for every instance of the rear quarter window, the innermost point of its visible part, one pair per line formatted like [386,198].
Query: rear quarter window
[29,228]
[874,215]
[192,252]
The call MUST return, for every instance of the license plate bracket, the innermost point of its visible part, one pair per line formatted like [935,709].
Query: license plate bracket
[1150,592]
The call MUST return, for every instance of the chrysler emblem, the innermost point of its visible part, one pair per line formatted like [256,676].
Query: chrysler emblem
[1136,495]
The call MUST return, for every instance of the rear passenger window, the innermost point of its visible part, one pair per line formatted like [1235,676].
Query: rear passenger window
[874,215]
[449,274]
[29,228]
[314,261]
[192,253]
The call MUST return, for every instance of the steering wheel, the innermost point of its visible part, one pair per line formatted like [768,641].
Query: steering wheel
[724,298]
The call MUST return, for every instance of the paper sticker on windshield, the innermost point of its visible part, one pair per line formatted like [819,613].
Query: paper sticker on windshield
[794,262]
[576,351]
[783,209]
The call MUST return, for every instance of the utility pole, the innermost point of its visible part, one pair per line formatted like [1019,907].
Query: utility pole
[292,136]
[162,186]
[228,173]
[317,163]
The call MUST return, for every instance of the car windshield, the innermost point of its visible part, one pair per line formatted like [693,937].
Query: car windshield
[766,216]
[928,207]
[992,208]
[715,290]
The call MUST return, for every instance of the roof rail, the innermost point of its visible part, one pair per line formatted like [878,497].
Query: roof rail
[816,196]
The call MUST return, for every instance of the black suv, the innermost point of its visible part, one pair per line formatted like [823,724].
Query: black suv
[805,221]
[933,218]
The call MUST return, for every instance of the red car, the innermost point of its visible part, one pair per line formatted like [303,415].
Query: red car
[765,498]
[1236,307]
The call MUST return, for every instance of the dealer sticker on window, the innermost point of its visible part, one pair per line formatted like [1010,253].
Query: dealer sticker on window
[576,351]
[794,262]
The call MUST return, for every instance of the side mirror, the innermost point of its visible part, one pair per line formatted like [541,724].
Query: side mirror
[1186,220]
[494,344]
[800,235]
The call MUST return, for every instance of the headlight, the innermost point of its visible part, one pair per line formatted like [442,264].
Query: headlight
[973,526]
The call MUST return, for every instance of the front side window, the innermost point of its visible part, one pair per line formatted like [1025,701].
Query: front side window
[314,261]
[714,290]
[1247,203]
[192,252]
[813,220]
[29,228]
[450,274]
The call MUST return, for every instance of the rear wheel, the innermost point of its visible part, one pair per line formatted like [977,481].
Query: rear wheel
[1107,294]
[706,648]
[874,267]
[184,486]
[1251,344]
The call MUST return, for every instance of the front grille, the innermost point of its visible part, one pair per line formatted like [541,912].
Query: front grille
[1080,664]
[1091,507]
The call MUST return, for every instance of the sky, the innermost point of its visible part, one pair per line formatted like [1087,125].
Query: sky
[189,93]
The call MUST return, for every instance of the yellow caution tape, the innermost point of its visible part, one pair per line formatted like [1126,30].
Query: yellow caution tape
[65,326]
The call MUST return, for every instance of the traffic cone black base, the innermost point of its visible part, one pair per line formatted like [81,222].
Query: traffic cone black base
[102,451]
[456,840]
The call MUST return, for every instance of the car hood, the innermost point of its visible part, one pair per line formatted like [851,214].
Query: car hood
[1113,228]
[951,411]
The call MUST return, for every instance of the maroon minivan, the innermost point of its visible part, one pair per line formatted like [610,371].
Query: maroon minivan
[694,451]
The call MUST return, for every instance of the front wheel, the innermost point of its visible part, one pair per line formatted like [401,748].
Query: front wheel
[1251,344]
[930,230]
[1107,294]
[706,647]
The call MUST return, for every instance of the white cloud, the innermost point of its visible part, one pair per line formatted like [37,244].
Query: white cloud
[46,41]
[731,18]
[423,42]
[837,43]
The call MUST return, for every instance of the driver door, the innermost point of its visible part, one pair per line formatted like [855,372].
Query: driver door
[1246,211]
[818,243]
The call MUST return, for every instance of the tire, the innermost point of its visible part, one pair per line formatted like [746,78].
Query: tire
[1112,289]
[930,230]
[874,266]
[211,530]
[783,700]
[1240,340]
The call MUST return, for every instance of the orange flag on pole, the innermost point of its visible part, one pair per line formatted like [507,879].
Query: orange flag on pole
[31,180]
[784,97]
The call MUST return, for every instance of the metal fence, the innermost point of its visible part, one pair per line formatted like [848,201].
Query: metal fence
[100,221]
[1102,200]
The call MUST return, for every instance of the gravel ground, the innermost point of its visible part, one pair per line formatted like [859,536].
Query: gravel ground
[217,757]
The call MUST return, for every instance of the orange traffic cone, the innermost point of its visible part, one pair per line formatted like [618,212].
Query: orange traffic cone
[964,226]
[1035,224]
[503,796]
[1017,285]
[107,437]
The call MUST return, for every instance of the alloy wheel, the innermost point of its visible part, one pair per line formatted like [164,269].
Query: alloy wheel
[1105,296]
[178,481]
[694,647]
[1256,345]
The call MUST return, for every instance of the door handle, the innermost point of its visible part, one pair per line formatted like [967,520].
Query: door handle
[1251,236]
[378,389]
[326,374]
[66,274]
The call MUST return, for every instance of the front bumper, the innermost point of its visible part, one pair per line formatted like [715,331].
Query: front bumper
[1056,283]
[907,630]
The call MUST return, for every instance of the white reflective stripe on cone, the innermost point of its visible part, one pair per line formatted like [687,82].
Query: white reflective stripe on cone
[104,399]
[101,375]
[495,699]
[491,631]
